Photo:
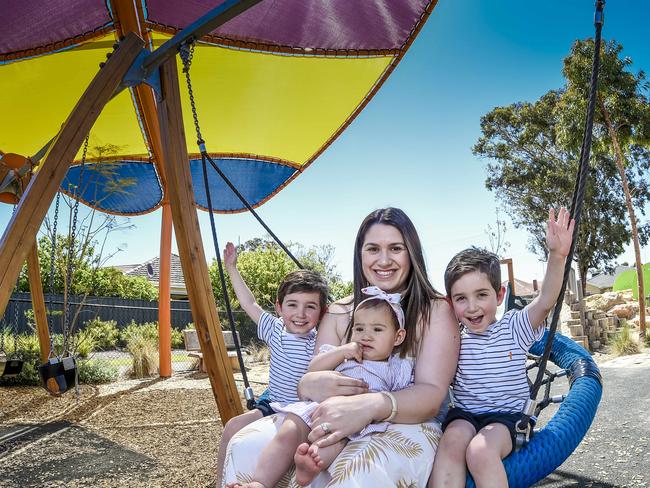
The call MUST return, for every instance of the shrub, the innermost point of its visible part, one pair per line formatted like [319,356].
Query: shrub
[148,330]
[144,350]
[97,372]
[104,333]
[26,348]
[623,343]
[177,339]
[647,340]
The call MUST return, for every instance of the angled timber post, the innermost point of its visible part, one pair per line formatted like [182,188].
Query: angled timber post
[38,301]
[190,245]
[20,234]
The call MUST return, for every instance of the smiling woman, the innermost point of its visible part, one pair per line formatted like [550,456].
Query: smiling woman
[387,254]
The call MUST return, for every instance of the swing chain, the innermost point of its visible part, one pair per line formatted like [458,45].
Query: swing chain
[71,250]
[187,53]
[52,258]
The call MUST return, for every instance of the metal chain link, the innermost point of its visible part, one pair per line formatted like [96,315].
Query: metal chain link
[50,319]
[187,53]
[71,252]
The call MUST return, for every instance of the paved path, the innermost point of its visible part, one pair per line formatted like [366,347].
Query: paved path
[616,450]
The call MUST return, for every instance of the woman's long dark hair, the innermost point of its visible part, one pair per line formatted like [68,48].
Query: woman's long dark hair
[417,296]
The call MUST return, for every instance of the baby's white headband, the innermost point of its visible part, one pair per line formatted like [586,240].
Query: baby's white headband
[393,299]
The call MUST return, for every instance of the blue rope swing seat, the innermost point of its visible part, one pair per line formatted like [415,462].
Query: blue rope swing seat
[551,446]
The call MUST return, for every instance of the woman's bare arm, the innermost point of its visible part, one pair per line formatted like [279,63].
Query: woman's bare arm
[435,368]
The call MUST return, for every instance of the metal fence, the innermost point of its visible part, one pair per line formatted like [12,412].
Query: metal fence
[18,320]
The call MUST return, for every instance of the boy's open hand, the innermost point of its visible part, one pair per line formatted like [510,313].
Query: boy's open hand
[559,233]
[230,256]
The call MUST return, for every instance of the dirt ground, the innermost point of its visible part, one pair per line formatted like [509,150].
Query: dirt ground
[136,433]
[133,433]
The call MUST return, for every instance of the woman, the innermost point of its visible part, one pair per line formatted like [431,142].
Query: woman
[387,254]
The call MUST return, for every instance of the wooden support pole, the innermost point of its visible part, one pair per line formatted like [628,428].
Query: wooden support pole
[38,302]
[511,274]
[164,292]
[20,234]
[190,245]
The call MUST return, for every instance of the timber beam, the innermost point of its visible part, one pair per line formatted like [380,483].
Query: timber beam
[190,245]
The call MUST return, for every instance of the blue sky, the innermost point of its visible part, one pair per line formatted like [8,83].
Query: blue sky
[411,146]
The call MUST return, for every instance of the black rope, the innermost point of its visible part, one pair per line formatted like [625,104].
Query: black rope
[578,198]
[241,197]
[186,53]
[222,277]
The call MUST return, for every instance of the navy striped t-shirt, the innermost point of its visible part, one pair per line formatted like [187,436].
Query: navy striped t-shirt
[290,357]
[491,375]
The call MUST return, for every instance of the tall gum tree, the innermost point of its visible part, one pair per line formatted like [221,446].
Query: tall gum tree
[623,120]
[533,151]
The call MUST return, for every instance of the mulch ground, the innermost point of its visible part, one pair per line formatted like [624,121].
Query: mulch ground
[149,433]
[134,433]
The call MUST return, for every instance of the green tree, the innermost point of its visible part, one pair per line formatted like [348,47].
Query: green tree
[534,150]
[623,117]
[263,265]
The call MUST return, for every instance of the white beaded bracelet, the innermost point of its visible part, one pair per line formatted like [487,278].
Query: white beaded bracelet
[393,402]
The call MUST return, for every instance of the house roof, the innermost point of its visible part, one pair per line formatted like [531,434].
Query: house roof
[605,280]
[151,270]
[523,288]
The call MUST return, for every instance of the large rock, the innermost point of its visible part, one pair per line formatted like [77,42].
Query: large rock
[605,301]
[624,310]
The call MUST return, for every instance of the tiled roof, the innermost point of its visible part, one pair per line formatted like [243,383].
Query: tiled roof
[151,270]
[605,280]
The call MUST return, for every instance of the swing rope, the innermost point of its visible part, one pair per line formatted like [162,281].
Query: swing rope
[186,54]
[582,367]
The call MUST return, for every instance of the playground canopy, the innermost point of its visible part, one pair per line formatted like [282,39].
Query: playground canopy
[274,87]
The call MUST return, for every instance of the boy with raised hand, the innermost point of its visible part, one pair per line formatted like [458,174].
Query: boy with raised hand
[301,302]
[491,386]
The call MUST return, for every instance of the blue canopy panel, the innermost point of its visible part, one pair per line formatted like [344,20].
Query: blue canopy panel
[124,187]
[256,179]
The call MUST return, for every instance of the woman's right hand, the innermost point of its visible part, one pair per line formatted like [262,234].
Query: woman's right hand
[320,385]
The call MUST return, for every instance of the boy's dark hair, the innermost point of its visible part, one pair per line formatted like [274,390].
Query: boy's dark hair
[473,259]
[304,281]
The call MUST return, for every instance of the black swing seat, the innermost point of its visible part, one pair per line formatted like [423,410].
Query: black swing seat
[10,367]
[62,370]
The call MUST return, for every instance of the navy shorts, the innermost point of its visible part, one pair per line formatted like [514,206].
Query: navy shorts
[263,404]
[480,420]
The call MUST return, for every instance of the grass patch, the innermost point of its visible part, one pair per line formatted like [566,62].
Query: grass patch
[623,343]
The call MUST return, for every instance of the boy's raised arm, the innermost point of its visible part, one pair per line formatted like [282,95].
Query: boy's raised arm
[559,234]
[244,295]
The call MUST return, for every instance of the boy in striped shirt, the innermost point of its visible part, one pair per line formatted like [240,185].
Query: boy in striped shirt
[491,386]
[300,304]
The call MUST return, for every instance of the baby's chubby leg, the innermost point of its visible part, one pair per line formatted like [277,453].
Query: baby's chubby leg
[277,457]
[449,464]
[484,455]
[233,426]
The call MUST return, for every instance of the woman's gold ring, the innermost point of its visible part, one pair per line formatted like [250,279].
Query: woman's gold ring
[326,427]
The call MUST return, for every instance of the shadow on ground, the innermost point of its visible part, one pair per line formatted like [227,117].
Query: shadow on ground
[61,453]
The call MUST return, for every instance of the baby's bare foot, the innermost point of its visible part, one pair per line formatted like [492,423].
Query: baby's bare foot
[308,464]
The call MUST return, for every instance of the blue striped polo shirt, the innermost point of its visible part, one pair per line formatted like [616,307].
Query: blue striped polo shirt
[491,375]
[290,357]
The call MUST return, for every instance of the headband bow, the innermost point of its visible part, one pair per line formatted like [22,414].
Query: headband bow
[393,299]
